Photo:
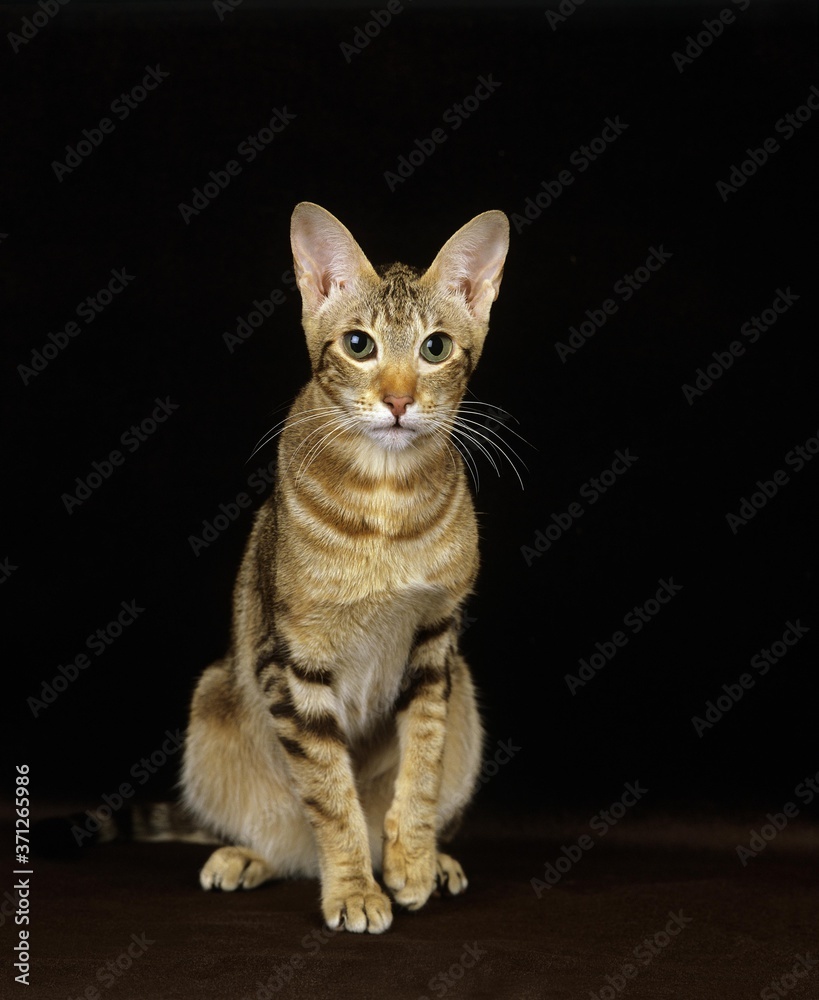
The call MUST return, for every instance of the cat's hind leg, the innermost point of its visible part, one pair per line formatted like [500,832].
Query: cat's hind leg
[236,788]
[230,868]
[449,875]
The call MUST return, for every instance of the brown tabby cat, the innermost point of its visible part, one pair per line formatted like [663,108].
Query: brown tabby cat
[340,734]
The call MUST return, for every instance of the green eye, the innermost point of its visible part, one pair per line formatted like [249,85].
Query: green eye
[436,348]
[358,345]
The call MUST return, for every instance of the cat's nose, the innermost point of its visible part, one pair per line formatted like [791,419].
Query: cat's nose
[398,404]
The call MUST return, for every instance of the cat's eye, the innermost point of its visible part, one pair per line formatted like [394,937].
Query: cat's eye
[436,348]
[358,345]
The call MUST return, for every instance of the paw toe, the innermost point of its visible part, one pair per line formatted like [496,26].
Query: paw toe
[450,876]
[231,868]
[358,911]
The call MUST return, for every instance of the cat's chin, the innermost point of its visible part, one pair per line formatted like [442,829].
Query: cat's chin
[394,438]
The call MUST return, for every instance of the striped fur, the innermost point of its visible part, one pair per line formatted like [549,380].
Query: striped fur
[340,737]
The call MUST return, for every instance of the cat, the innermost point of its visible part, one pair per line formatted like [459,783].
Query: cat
[340,735]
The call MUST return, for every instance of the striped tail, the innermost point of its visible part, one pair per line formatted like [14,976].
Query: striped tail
[67,837]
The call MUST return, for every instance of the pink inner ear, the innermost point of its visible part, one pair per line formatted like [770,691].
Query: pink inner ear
[471,261]
[323,281]
[326,251]
[464,286]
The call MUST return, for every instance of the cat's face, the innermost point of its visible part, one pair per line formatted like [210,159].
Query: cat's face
[395,356]
[394,353]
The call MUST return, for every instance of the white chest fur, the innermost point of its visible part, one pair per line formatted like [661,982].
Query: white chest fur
[373,658]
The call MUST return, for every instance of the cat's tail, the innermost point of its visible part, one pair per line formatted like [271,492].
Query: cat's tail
[67,837]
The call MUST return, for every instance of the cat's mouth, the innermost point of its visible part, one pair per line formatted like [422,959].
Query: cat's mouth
[399,430]
[394,436]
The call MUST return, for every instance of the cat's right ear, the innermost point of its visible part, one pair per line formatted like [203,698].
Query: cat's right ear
[471,262]
[326,257]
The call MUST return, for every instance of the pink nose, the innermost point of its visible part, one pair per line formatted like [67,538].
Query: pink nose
[398,404]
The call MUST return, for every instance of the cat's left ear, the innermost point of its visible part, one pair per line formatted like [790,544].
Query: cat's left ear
[471,262]
[325,255]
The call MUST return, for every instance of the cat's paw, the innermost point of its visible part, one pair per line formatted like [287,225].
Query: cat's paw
[232,868]
[449,875]
[410,870]
[357,906]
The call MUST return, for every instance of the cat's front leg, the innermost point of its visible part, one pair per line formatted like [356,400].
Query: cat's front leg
[302,707]
[410,857]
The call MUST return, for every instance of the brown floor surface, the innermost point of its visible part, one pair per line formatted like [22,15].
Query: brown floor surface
[738,928]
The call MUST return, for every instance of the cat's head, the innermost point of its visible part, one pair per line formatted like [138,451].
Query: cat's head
[395,351]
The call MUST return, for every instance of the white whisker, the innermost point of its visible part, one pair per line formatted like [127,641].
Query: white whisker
[278,428]
[476,433]
[317,430]
[499,447]
[477,413]
[469,461]
[467,435]
[341,426]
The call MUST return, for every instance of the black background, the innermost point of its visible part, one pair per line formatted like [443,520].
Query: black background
[163,336]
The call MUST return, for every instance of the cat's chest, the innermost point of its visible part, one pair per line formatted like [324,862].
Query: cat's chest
[372,657]
[393,551]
